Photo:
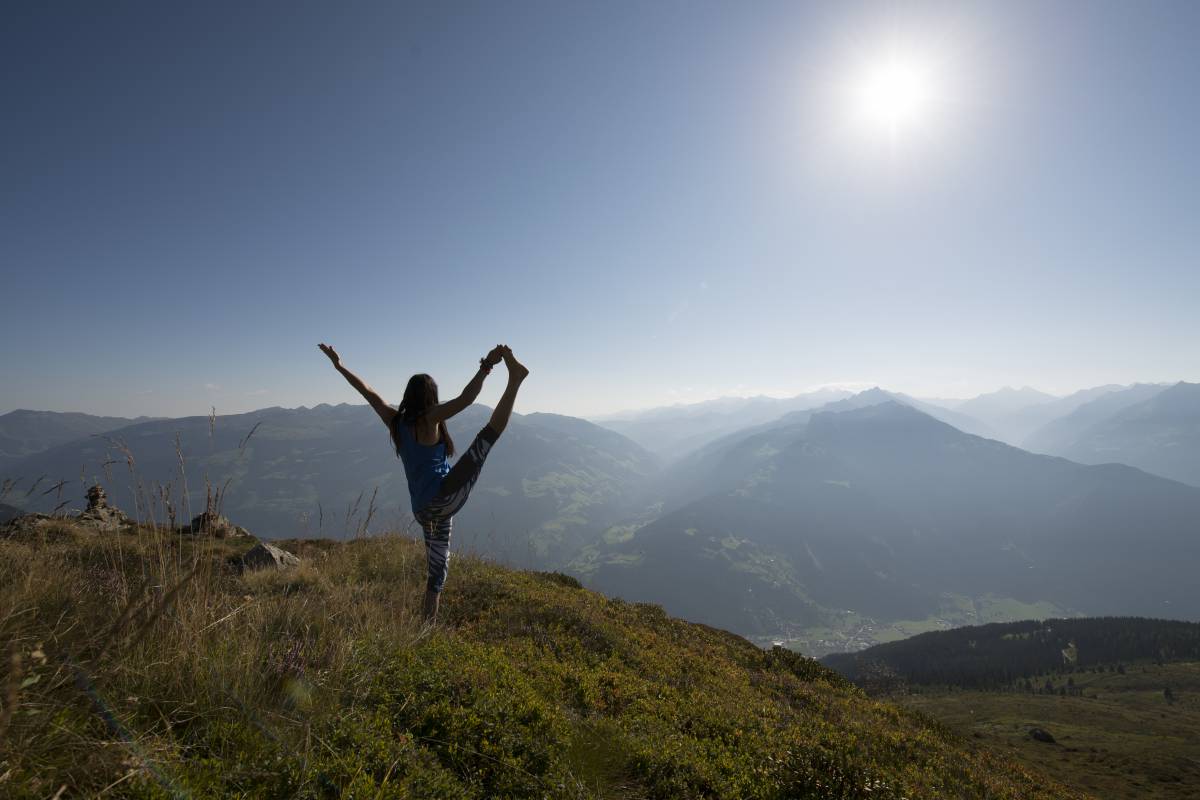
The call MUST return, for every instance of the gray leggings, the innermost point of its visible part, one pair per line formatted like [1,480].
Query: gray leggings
[437,518]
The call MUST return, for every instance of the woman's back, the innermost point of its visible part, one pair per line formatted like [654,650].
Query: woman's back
[424,465]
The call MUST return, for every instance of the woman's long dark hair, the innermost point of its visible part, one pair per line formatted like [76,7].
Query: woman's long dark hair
[420,395]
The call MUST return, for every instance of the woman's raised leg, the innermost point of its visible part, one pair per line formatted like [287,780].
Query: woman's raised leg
[517,372]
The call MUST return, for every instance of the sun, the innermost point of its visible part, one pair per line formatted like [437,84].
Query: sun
[897,94]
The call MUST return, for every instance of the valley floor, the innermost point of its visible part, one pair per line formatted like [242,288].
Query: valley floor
[849,632]
[1120,739]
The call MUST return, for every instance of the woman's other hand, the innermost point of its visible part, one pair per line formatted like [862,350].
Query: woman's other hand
[329,351]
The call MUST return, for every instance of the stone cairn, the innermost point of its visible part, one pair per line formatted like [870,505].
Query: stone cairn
[99,514]
[96,498]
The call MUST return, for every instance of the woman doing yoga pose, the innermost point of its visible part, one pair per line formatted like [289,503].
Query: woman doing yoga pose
[418,430]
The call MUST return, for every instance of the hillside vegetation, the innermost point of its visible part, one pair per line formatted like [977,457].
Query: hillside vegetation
[142,665]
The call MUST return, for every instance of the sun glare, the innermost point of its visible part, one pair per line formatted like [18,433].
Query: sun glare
[897,94]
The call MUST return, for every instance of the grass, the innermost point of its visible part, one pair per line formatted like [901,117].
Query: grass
[1120,739]
[142,665]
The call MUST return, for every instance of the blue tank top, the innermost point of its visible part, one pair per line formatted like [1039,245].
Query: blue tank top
[424,466]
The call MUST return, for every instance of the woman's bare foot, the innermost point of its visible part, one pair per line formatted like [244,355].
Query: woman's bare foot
[503,410]
[516,370]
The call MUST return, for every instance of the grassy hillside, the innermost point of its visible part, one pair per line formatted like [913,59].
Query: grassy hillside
[142,666]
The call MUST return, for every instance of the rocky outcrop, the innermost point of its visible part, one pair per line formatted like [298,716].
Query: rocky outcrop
[27,524]
[100,515]
[1041,735]
[210,523]
[267,556]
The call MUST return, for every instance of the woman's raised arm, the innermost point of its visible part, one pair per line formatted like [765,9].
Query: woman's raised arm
[448,409]
[384,411]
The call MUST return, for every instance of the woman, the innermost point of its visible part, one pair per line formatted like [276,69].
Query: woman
[418,430]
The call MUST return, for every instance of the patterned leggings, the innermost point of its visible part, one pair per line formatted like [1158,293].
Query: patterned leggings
[437,518]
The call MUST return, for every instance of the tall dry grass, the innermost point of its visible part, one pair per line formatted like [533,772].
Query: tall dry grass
[116,644]
[113,644]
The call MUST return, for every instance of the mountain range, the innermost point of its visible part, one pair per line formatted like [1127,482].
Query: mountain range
[312,471]
[672,431]
[1062,431]
[24,433]
[884,513]
[869,517]
[1011,414]
[1158,431]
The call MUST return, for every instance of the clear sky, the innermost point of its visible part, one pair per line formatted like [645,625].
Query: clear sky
[649,201]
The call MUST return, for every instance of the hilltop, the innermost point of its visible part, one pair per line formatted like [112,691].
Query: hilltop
[145,666]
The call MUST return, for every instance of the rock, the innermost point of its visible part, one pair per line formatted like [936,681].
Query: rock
[104,519]
[211,523]
[1041,735]
[96,498]
[27,524]
[267,556]
[99,514]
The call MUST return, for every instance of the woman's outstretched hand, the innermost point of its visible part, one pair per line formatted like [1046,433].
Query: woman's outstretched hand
[494,355]
[329,351]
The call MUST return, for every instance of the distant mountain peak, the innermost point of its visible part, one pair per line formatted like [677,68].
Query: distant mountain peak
[872,396]
[1025,394]
[889,408]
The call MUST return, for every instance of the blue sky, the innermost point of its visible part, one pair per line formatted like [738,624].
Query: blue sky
[651,202]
